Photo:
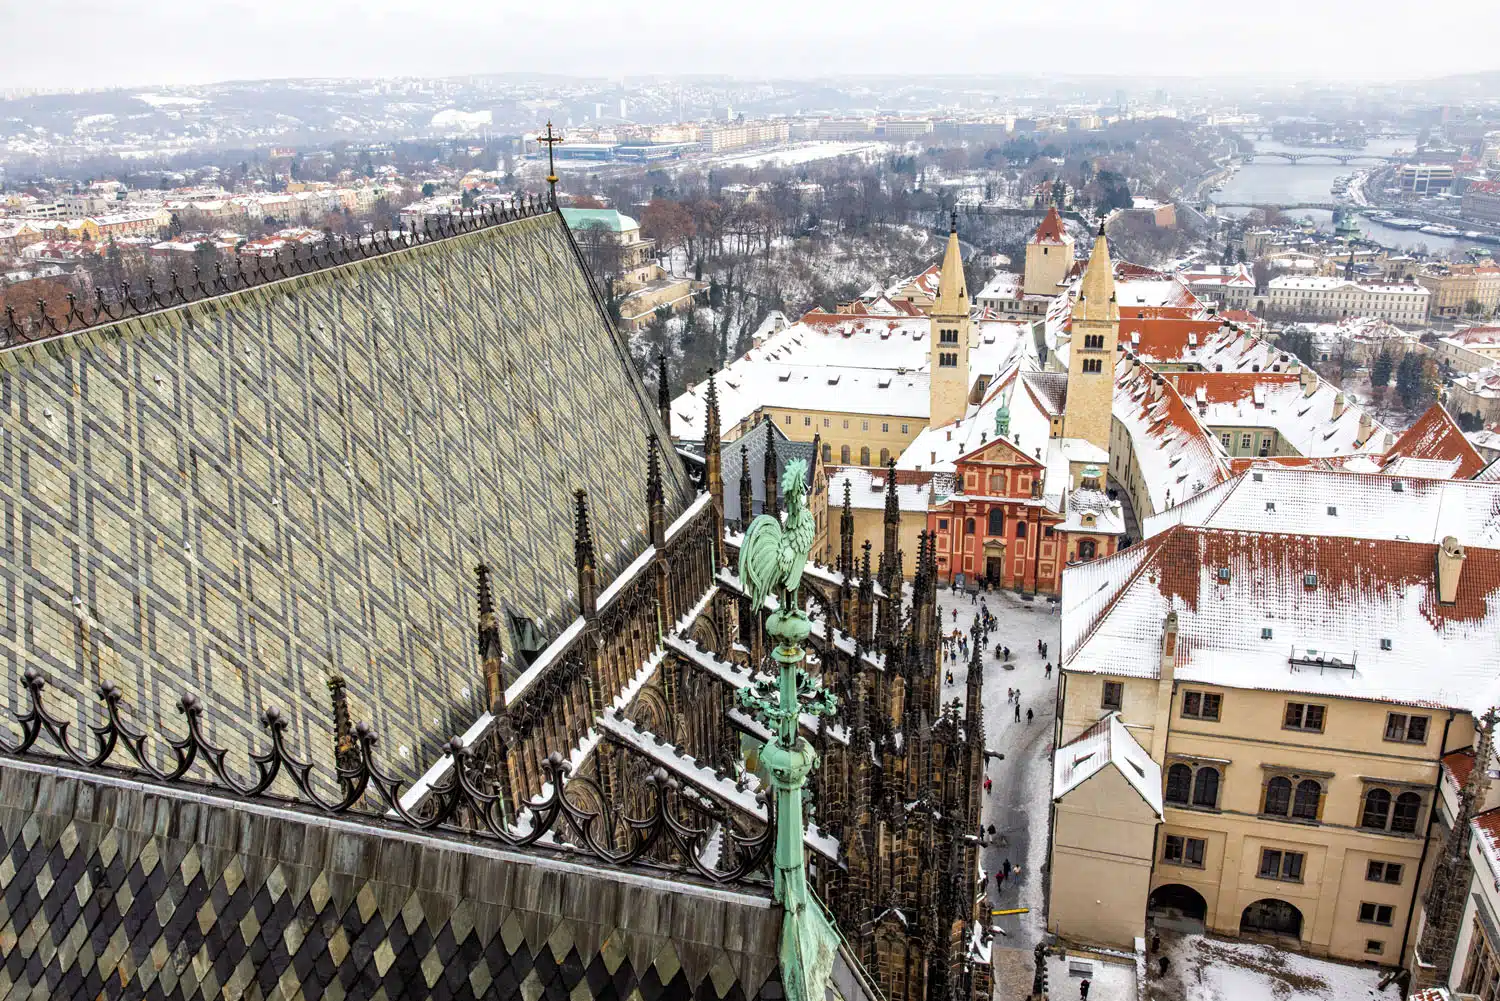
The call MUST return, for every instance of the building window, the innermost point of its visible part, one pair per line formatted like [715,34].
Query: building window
[1225,439]
[1383,872]
[885,456]
[1305,800]
[1278,800]
[903,428]
[1183,851]
[1114,695]
[1406,729]
[1206,788]
[997,521]
[1301,716]
[1245,442]
[864,425]
[807,422]
[1087,549]
[787,419]
[1093,365]
[968,526]
[1374,945]
[1179,784]
[1278,864]
[1376,914]
[885,428]
[947,359]
[864,456]
[1377,812]
[1201,705]
[942,524]
[947,336]
[846,423]
[825,422]
[844,454]
[1093,341]
[1020,529]
[1407,811]
[827,452]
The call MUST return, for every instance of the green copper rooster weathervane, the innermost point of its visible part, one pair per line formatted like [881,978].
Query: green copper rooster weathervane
[772,557]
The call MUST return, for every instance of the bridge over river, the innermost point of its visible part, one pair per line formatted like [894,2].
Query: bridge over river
[1264,156]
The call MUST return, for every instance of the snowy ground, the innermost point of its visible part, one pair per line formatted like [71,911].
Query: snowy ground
[1215,969]
[1110,981]
[1018,803]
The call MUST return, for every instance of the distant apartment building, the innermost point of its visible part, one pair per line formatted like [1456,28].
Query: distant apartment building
[739,134]
[904,128]
[1470,349]
[1460,288]
[1425,178]
[1481,201]
[846,128]
[1333,298]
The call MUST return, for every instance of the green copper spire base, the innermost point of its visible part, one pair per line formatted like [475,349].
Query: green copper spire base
[772,557]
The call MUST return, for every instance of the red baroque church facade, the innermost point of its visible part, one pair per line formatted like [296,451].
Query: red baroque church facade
[997,529]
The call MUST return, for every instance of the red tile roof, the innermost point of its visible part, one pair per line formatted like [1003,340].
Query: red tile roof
[1460,764]
[1051,230]
[1225,387]
[1162,338]
[1435,435]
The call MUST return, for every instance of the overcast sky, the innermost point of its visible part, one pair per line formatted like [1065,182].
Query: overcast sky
[65,44]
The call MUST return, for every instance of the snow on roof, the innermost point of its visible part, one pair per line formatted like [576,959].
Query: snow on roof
[1487,828]
[867,490]
[1484,383]
[1091,510]
[1213,344]
[1325,283]
[1291,612]
[1485,335]
[857,364]
[1435,436]
[1353,505]
[1318,425]
[1002,285]
[1107,742]
[938,449]
[1178,457]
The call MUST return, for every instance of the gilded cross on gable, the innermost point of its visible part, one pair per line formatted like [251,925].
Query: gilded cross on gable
[551,139]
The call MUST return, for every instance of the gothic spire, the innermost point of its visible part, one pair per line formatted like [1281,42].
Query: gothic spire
[1096,295]
[491,654]
[772,503]
[747,495]
[664,392]
[953,297]
[711,423]
[653,469]
[583,557]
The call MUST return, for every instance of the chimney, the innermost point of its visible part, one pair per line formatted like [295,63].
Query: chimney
[1166,680]
[1338,406]
[1158,387]
[1366,425]
[1309,381]
[1450,566]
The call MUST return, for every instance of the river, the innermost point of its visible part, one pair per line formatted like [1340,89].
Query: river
[1275,182]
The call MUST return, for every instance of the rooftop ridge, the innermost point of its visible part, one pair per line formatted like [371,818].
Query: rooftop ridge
[124,304]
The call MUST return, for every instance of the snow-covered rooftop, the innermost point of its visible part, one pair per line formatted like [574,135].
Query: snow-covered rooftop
[1106,743]
[1178,457]
[867,490]
[856,364]
[1273,592]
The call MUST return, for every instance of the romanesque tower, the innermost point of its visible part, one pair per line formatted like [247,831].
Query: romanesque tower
[1049,256]
[1091,351]
[950,338]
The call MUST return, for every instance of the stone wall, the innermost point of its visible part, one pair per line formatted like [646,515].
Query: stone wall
[241,496]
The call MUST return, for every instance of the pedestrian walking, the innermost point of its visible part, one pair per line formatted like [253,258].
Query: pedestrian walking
[1038,646]
[1018,712]
[955,618]
[1162,963]
[1007,653]
[988,782]
[1048,671]
[1083,989]
[1044,649]
[1006,868]
[1008,692]
[1028,715]
[991,830]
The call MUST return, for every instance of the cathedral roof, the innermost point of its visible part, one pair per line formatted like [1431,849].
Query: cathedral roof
[752,444]
[249,493]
